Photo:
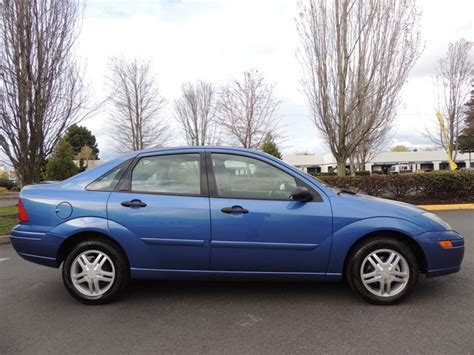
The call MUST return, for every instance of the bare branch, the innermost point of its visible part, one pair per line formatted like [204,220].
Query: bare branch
[195,111]
[41,88]
[355,57]
[453,76]
[247,109]
[136,106]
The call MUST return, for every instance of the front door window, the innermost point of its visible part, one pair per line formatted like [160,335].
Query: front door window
[248,178]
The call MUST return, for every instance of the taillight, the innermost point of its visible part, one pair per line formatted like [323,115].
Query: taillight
[22,215]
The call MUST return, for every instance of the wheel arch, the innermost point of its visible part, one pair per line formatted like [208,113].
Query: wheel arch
[82,236]
[404,238]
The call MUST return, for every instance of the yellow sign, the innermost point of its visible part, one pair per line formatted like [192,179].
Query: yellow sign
[452,164]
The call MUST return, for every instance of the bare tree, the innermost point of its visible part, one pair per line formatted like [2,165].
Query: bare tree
[355,57]
[195,111]
[41,88]
[247,109]
[373,141]
[453,75]
[369,147]
[136,117]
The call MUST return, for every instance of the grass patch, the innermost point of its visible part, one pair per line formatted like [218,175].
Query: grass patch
[8,218]
[8,211]
[6,224]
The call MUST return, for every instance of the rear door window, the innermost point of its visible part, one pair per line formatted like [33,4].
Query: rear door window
[168,174]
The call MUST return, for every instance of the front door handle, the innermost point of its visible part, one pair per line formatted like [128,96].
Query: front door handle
[133,203]
[235,209]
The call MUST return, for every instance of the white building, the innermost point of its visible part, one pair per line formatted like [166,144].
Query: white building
[384,162]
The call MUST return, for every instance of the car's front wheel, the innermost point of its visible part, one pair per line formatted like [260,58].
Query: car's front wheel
[382,271]
[95,272]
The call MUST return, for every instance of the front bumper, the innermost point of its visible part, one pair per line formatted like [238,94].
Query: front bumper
[441,261]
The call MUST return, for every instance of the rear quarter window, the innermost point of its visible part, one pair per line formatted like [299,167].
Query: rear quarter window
[109,180]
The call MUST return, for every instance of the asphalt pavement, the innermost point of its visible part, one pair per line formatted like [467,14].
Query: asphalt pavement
[38,316]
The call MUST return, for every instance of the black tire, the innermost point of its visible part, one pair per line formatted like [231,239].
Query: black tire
[357,257]
[121,268]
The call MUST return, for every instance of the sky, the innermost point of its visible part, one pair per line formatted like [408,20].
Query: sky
[216,40]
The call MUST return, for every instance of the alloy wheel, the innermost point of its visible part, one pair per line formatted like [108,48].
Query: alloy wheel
[92,273]
[385,272]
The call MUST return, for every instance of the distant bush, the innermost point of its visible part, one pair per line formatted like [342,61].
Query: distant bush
[457,186]
[8,184]
[333,173]
[341,182]
[446,185]
[400,185]
[362,173]
[373,185]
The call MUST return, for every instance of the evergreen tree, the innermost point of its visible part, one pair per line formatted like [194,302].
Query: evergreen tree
[80,136]
[269,146]
[466,139]
[61,165]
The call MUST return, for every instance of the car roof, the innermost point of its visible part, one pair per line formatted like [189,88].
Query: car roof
[203,147]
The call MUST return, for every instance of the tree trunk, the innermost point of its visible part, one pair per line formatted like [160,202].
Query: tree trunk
[341,167]
[352,165]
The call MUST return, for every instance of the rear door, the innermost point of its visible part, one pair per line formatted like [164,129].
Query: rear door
[255,224]
[164,201]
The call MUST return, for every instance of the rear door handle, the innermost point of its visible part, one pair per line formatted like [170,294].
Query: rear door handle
[235,209]
[133,203]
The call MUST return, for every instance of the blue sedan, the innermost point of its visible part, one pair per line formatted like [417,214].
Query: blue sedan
[203,212]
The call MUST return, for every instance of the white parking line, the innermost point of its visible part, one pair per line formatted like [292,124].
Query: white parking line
[3,259]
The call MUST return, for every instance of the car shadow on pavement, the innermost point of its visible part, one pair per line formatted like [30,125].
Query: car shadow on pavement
[427,290]
[249,290]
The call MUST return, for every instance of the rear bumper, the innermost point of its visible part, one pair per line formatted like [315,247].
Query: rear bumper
[37,247]
[442,261]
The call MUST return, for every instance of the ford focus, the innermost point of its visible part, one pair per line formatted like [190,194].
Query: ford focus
[213,213]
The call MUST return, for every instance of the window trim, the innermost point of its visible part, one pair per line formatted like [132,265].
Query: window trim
[125,183]
[123,169]
[214,193]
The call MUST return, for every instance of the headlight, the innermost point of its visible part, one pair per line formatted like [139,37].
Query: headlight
[438,220]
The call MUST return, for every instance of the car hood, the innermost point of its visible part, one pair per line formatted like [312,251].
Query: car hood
[349,208]
[383,202]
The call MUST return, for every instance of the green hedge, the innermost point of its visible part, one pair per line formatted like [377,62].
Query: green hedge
[440,186]
[333,173]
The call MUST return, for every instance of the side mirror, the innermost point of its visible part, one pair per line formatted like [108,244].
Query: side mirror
[302,194]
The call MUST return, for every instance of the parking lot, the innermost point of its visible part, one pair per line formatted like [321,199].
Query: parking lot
[38,316]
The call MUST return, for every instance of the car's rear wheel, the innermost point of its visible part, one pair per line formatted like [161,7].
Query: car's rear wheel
[95,272]
[382,270]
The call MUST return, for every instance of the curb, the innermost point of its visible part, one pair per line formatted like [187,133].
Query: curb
[4,239]
[452,207]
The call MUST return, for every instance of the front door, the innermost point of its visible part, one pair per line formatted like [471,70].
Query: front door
[255,224]
[166,205]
